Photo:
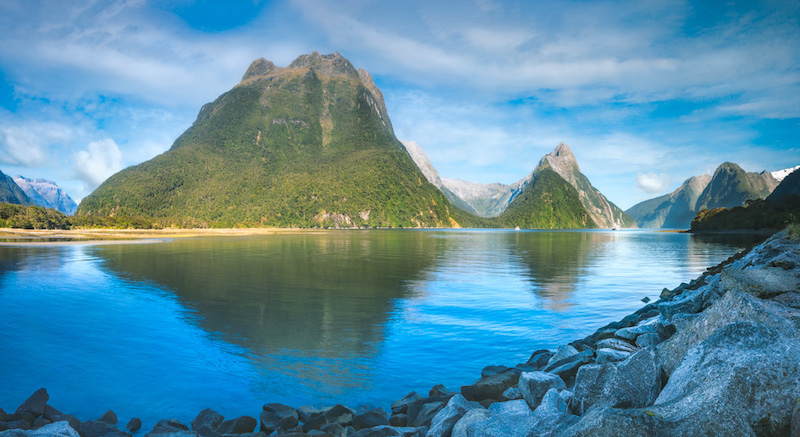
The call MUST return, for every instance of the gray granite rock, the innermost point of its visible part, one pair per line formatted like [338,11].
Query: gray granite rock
[444,421]
[56,429]
[278,417]
[207,417]
[371,418]
[534,385]
[35,403]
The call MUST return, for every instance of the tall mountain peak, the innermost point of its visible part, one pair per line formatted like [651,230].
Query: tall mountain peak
[46,193]
[329,65]
[259,67]
[562,161]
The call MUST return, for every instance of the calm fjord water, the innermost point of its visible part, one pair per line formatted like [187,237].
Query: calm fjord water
[355,317]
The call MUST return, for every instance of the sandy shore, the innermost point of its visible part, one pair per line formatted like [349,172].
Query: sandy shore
[44,237]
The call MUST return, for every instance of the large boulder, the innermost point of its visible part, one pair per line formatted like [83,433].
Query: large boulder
[741,380]
[500,420]
[567,368]
[278,417]
[633,383]
[491,386]
[35,404]
[209,418]
[56,429]
[534,385]
[371,418]
[166,427]
[444,421]
[239,425]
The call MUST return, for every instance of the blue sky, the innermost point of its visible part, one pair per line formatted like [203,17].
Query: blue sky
[646,93]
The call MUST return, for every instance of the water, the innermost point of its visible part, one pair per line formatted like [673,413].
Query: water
[355,317]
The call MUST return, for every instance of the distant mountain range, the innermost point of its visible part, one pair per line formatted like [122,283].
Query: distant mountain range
[491,200]
[10,192]
[730,186]
[46,193]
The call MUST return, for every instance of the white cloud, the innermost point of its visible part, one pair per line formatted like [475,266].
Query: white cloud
[100,160]
[27,145]
[652,183]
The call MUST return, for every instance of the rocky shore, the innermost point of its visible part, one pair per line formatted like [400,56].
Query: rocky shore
[717,356]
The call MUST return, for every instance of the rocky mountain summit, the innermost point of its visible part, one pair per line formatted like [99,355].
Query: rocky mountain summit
[46,193]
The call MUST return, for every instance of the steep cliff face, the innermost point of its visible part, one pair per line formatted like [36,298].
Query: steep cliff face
[10,192]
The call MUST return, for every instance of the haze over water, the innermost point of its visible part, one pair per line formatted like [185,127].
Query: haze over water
[355,317]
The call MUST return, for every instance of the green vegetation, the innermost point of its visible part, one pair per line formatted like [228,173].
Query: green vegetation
[756,214]
[731,186]
[289,149]
[31,217]
[11,192]
[549,202]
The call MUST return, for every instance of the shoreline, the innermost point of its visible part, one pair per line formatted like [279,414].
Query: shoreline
[716,356]
[70,237]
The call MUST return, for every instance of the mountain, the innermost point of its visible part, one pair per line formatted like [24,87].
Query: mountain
[731,186]
[548,202]
[490,200]
[675,210]
[604,213]
[487,200]
[306,145]
[425,166]
[780,174]
[10,192]
[779,209]
[46,193]
[789,186]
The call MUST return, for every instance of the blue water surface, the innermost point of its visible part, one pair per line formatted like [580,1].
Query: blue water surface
[355,317]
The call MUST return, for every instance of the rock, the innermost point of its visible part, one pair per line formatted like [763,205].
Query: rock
[540,358]
[401,406]
[56,429]
[492,386]
[492,370]
[314,422]
[18,424]
[371,418]
[743,379]
[607,355]
[51,413]
[618,344]
[95,428]
[553,412]
[795,426]
[562,353]
[444,421]
[69,418]
[512,394]
[206,431]
[306,412]
[534,385]
[440,390]
[339,414]
[512,418]
[35,403]
[166,426]
[389,431]
[426,413]
[239,425]
[135,424]
[39,422]
[334,429]
[108,417]
[732,307]
[763,283]
[632,332]
[209,418]
[689,303]
[487,402]
[645,299]
[568,367]
[399,420]
[647,340]
[278,417]
[635,382]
